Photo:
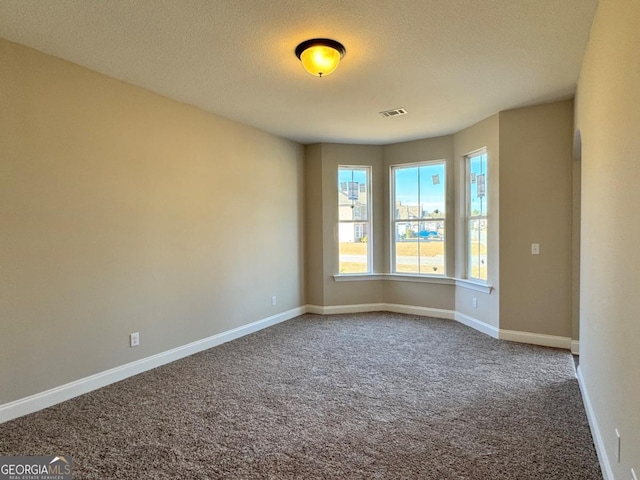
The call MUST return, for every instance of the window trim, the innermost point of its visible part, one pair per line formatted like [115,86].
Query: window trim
[392,220]
[369,220]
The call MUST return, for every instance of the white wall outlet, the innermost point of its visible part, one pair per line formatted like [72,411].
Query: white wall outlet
[134,339]
[274,300]
[475,302]
[633,475]
[535,249]
[617,446]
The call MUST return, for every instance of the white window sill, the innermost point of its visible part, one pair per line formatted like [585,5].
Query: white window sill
[471,285]
[359,277]
[399,277]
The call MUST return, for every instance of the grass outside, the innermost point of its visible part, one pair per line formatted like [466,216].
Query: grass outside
[403,249]
[434,270]
[479,272]
[478,248]
[347,248]
[353,267]
[408,249]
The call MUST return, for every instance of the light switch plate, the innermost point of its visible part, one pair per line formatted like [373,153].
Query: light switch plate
[535,249]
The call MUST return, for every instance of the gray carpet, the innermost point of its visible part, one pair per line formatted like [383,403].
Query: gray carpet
[364,396]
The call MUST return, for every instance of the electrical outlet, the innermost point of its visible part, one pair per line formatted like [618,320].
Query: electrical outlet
[475,302]
[535,249]
[633,475]
[134,339]
[274,300]
[617,446]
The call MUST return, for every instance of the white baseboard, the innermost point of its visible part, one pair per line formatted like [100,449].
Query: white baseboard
[45,399]
[380,307]
[605,466]
[575,347]
[337,309]
[536,339]
[59,394]
[421,311]
[446,314]
[565,343]
[410,310]
[477,325]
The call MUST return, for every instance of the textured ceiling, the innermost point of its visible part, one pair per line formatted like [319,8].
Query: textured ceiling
[449,63]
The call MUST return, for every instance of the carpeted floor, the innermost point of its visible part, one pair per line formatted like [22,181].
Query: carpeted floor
[364,396]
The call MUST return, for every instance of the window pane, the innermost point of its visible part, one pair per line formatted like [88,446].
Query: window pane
[420,247]
[432,185]
[419,218]
[406,190]
[353,196]
[477,185]
[477,216]
[353,242]
[432,253]
[407,258]
[353,214]
[478,249]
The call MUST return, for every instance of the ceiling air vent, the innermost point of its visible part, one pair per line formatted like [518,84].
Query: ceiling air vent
[394,113]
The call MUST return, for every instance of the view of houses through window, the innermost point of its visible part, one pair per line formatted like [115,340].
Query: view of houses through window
[354,232]
[477,216]
[418,218]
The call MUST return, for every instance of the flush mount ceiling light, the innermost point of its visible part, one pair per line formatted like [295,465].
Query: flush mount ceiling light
[320,56]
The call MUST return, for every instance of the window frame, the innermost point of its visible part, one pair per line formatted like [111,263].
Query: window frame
[470,218]
[368,221]
[393,221]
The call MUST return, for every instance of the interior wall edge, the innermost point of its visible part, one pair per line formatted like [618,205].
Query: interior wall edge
[598,441]
[554,341]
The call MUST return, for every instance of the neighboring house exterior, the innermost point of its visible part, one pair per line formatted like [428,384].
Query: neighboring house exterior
[352,232]
[430,228]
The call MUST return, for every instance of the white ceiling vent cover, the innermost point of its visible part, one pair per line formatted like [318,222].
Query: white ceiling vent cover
[394,113]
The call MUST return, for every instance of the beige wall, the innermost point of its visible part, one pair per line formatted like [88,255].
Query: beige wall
[322,165]
[314,228]
[484,134]
[536,207]
[348,293]
[411,293]
[575,243]
[425,150]
[608,118]
[123,211]
[530,195]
